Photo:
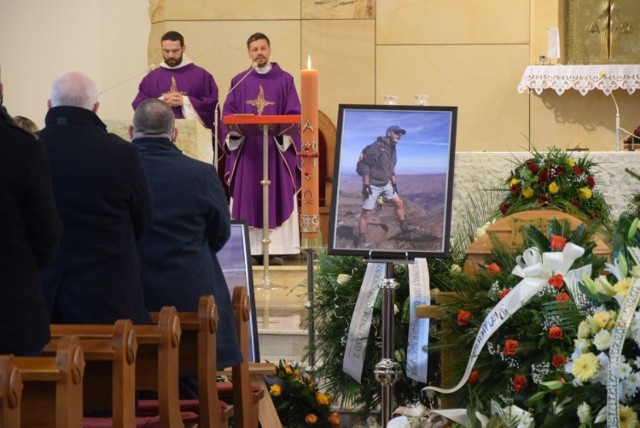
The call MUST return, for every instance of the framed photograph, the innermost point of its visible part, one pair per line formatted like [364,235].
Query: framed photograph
[393,181]
[235,260]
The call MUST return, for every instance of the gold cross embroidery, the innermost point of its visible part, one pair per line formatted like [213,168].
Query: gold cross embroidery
[260,103]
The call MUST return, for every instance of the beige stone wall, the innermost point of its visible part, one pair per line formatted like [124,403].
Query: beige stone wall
[464,53]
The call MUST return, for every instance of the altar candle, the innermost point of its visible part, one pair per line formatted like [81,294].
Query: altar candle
[310,218]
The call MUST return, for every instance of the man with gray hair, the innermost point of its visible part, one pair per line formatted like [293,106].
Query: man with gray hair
[105,205]
[191,223]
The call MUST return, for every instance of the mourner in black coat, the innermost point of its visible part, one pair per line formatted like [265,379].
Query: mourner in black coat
[105,205]
[191,223]
[30,232]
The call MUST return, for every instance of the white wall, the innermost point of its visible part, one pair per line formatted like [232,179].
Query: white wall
[41,39]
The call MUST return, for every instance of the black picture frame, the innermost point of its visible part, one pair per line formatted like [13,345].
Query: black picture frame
[235,260]
[424,174]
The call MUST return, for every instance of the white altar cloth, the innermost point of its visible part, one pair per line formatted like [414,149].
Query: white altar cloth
[582,78]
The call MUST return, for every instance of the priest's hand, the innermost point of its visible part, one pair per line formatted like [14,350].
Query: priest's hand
[174,99]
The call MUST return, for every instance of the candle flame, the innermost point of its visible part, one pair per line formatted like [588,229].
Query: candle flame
[308,62]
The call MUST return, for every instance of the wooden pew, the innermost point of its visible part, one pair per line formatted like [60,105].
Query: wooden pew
[10,392]
[52,394]
[198,357]
[155,364]
[109,383]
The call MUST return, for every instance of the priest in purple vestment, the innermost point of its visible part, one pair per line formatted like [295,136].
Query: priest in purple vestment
[265,89]
[190,90]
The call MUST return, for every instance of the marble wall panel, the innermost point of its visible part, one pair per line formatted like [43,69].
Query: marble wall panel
[480,80]
[344,53]
[332,9]
[223,9]
[220,46]
[452,22]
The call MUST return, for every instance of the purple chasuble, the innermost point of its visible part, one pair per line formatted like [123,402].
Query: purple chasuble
[276,94]
[195,82]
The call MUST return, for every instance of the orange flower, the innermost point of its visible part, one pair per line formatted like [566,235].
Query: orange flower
[558,360]
[510,347]
[464,317]
[322,399]
[474,376]
[503,293]
[519,382]
[558,242]
[563,297]
[493,269]
[311,419]
[334,419]
[556,281]
[555,333]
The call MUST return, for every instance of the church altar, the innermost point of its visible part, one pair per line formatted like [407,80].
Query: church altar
[582,78]
[482,171]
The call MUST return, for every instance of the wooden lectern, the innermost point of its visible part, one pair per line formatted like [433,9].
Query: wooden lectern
[264,121]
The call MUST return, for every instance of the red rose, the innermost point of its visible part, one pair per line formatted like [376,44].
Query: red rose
[519,382]
[474,376]
[575,202]
[515,189]
[464,317]
[544,199]
[543,177]
[577,170]
[563,297]
[558,360]
[556,281]
[504,208]
[558,170]
[558,242]
[590,181]
[532,166]
[555,333]
[493,269]
[510,347]
[503,293]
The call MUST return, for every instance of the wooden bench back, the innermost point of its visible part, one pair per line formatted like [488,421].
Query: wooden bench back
[10,392]
[53,385]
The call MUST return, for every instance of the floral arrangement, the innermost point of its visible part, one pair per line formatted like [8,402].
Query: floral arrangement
[533,345]
[581,398]
[556,179]
[298,400]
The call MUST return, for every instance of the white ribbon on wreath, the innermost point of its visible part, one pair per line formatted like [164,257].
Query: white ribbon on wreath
[535,269]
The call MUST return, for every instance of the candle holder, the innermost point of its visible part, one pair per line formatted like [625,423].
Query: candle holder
[390,100]
[543,59]
[422,100]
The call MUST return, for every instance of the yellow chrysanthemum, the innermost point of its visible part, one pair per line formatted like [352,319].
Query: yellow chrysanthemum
[322,399]
[527,193]
[571,162]
[601,319]
[275,390]
[554,188]
[585,193]
[515,181]
[623,286]
[586,367]
[628,418]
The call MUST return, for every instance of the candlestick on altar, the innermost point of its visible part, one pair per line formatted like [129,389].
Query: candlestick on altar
[310,217]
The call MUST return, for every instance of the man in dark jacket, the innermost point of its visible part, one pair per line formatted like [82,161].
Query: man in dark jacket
[191,223]
[30,231]
[104,201]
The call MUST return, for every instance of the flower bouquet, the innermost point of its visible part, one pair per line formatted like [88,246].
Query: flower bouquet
[532,346]
[298,400]
[556,179]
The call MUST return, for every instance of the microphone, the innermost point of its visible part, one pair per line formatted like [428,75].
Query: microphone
[216,113]
[122,82]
